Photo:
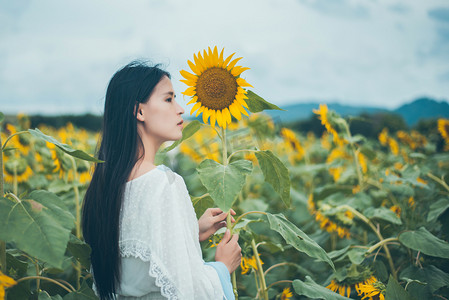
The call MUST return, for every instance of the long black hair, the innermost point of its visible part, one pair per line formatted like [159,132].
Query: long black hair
[119,149]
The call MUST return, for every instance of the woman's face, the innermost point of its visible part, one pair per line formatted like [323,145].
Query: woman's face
[159,118]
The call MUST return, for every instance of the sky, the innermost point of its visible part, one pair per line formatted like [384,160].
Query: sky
[58,56]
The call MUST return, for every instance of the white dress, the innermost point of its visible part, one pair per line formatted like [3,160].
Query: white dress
[159,242]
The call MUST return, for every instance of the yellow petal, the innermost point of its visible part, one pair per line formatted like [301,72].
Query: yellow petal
[207,62]
[225,63]
[191,91]
[201,61]
[242,110]
[205,115]
[212,118]
[187,75]
[193,67]
[215,56]
[235,111]
[240,100]
[195,107]
[193,100]
[236,71]
[220,59]
[219,118]
[200,111]
[198,64]
[188,82]
[211,58]
[227,115]
[242,82]
[232,64]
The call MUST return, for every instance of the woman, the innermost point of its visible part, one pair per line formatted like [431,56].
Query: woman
[138,218]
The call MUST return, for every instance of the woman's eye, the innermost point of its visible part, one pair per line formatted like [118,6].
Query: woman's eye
[168,100]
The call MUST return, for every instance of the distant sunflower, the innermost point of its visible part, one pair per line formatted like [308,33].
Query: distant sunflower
[216,87]
[443,128]
[371,288]
[286,294]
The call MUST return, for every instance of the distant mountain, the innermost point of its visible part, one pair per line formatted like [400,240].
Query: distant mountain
[422,108]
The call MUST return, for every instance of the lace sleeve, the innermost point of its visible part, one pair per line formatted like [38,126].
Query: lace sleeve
[159,226]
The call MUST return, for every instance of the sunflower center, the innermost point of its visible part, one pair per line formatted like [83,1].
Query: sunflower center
[216,88]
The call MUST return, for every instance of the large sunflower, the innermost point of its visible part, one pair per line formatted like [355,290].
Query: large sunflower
[216,87]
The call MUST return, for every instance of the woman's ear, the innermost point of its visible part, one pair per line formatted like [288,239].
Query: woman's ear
[139,113]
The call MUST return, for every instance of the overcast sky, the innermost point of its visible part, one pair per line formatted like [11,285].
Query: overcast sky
[58,56]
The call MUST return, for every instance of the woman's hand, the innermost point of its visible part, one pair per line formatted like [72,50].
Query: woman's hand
[229,251]
[212,220]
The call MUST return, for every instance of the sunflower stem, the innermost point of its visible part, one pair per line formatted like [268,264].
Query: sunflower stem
[263,285]
[12,135]
[78,216]
[2,243]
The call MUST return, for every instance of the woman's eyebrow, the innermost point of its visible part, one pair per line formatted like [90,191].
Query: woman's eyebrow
[169,93]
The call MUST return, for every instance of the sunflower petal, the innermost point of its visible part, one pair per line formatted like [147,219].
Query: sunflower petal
[187,75]
[219,118]
[215,56]
[235,111]
[232,63]
[240,100]
[201,61]
[205,115]
[188,82]
[242,110]
[198,64]
[212,118]
[220,59]
[236,71]
[225,63]
[227,115]
[193,67]
[195,107]
[191,91]
[207,61]
[243,82]
[193,100]
[200,111]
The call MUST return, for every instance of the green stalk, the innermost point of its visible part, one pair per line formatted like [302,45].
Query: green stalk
[378,234]
[2,243]
[15,188]
[263,285]
[229,217]
[356,160]
[78,217]
[49,279]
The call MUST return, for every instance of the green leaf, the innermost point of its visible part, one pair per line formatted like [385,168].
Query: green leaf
[297,238]
[39,225]
[80,250]
[66,148]
[2,117]
[422,240]
[382,213]
[275,173]
[187,132]
[395,291]
[434,277]
[201,204]
[43,295]
[437,209]
[311,289]
[224,183]
[257,104]
[84,293]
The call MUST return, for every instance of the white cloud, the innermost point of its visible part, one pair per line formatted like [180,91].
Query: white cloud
[57,56]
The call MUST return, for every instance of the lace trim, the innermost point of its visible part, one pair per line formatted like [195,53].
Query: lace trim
[141,250]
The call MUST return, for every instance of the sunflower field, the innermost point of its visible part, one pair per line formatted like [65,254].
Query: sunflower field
[337,216]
